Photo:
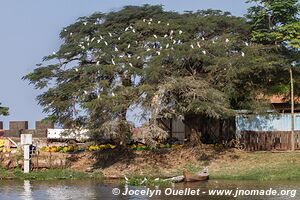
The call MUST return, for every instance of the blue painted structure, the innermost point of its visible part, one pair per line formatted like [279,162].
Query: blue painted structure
[270,122]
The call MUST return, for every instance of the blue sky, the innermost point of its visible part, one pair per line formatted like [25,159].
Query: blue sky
[29,31]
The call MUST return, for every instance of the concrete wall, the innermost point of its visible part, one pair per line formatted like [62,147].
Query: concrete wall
[18,125]
[15,127]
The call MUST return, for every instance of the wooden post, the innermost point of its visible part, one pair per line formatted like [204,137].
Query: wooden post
[292,112]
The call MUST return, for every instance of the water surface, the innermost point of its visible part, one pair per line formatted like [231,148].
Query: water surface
[92,189]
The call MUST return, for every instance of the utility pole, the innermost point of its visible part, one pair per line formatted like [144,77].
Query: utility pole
[293,64]
[292,112]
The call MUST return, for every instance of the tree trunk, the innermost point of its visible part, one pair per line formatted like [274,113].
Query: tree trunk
[195,138]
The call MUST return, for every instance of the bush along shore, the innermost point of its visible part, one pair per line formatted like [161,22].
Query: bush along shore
[155,165]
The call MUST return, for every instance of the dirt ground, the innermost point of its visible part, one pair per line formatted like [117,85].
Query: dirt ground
[222,163]
[162,162]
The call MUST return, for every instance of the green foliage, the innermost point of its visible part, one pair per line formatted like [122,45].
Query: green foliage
[275,21]
[169,63]
[51,174]
[3,110]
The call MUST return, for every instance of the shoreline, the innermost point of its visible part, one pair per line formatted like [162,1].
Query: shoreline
[113,165]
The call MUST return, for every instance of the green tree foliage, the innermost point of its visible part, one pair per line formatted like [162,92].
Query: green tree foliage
[3,110]
[171,64]
[275,21]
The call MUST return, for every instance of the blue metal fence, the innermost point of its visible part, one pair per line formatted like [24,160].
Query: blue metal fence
[280,122]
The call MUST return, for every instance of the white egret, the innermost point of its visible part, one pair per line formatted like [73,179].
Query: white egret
[113,62]
[126,29]
[144,20]
[167,46]
[133,30]
[203,38]
[98,62]
[159,22]
[85,23]
[247,44]
[168,24]
[128,46]
[171,32]
[129,55]
[149,23]
[227,40]
[116,49]
[76,69]
[126,179]
[105,43]
[98,41]
[92,39]
[119,38]
[165,35]
[198,44]
[192,46]
[138,57]
[158,53]
[204,52]
[144,181]
[154,35]
[243,54]
[174,41]
[150,19]
[110,35]
[130,64]
[71,34]
[180,32]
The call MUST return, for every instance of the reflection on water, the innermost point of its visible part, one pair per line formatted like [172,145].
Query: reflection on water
[92,189]
[27,194]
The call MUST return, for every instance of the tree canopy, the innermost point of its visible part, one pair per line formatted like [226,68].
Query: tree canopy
[168,63]
[275,21]
[3,110]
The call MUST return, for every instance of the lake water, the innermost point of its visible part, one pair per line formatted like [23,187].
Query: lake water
[91,189]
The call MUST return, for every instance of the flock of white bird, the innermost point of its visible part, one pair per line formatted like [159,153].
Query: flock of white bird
[84,44]
[87,41]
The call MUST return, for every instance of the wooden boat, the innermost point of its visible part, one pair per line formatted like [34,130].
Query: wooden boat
[200,176]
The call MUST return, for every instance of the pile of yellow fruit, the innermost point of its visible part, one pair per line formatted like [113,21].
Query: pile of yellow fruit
[2,148]
[138,147]
[5,150]
[66,149]
[101,147]
[2,143]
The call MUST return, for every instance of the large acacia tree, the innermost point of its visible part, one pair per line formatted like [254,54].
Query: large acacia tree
[171,64]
